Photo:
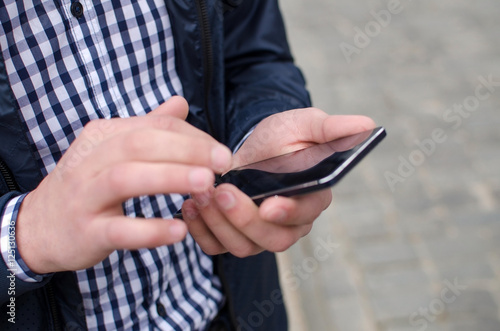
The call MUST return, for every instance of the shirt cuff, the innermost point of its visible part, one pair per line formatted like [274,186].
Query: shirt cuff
[8,244]
[244,139]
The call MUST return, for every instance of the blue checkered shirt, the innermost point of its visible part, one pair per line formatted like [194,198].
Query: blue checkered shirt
[116,60]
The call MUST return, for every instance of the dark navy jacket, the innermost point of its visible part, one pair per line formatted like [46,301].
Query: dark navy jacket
[236,69]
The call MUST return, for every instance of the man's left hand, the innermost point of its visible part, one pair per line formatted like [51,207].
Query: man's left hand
[224,219]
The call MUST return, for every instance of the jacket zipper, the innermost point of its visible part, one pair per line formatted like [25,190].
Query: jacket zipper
[219,264]
[208,60]
[51,298]
[8,177]
[208,72]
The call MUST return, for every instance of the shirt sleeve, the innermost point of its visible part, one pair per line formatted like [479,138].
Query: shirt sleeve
[8,244]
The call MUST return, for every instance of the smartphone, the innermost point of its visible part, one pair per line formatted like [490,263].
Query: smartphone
[304,171]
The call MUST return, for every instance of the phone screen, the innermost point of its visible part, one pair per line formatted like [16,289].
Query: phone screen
[305,170]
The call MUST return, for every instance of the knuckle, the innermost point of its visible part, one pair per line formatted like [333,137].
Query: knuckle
[165,122]
[91,126]
[283,243]
[316,111]
[133,142]
[243,220]
[112,236]
[213,248]
[327,198]
[115,178]
[305,230]
[97,130]
[244,249]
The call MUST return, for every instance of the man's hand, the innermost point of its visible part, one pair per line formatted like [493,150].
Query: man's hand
[226,220]
[74,218]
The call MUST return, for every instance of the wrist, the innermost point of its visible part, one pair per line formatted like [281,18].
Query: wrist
[32,256]
[10,245]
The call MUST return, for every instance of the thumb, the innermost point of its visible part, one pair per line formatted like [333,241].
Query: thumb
[317,126]
[176,106]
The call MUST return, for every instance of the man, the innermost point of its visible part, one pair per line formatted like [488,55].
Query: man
[99,151]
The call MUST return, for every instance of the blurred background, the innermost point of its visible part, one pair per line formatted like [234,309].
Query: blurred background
[412,240]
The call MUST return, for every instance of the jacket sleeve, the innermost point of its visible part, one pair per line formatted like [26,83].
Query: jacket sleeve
[261,78]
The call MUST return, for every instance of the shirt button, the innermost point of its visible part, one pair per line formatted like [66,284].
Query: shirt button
[77,9]
[160,309]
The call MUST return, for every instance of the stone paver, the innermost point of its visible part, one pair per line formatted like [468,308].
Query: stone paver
[417,223]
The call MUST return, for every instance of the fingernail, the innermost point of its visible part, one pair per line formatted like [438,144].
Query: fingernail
[200,179]
[221,158]
[202,199]
[276,215]
[225,200]
[190,212]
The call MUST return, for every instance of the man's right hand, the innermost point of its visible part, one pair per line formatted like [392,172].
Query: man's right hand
[74,218]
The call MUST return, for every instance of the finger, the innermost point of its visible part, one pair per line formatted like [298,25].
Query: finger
[226,233]
[131,233]
[169,116]
[321,129]
[126,180]
[314,125]
[176,106]
[200,231]
[243,214]
[296,211]
[99,130]
[338,126]
[161,146]
[300,128]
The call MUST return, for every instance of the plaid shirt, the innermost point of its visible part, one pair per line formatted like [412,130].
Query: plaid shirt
[115,60]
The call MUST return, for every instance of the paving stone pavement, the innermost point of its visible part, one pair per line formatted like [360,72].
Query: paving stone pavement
[412,240]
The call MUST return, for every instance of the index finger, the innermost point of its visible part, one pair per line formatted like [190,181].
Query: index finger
[99,130]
